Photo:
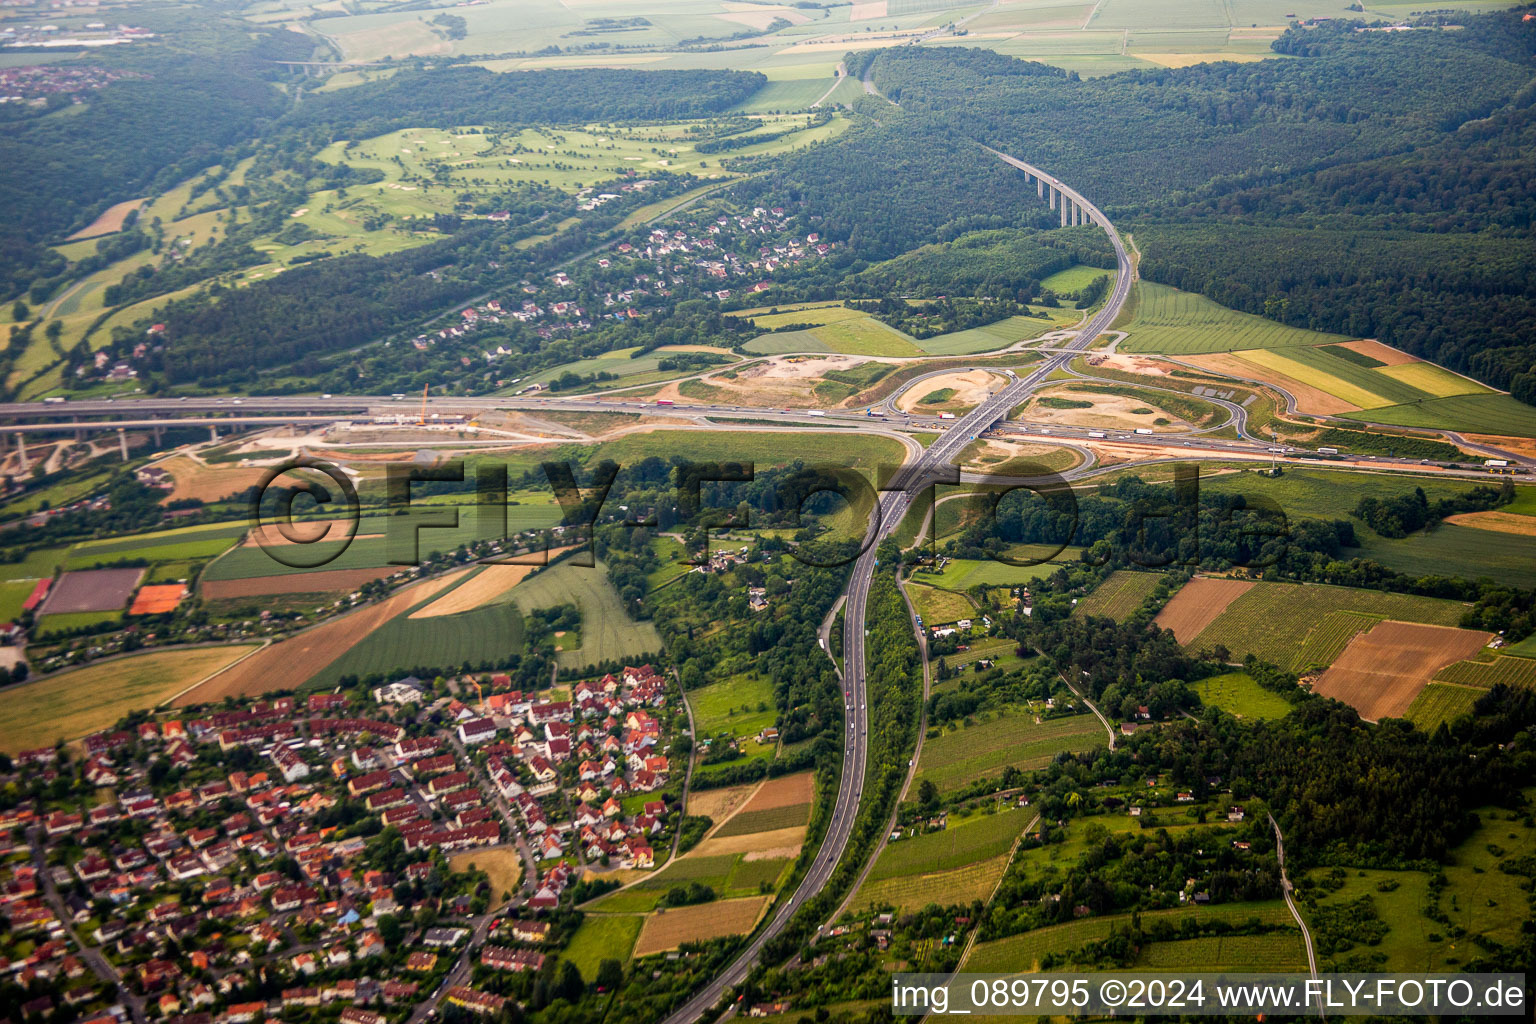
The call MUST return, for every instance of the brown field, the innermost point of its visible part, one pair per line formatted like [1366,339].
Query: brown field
[1146,366]
[490,583]
[208,483]
[784,791]
[1308,398]
[669,929]
[1382,670]
[1379,352]
[1197,604]
[332,581]
[1497,522]
[312,532]
[158,599]
[1519,445]
[286,665]
[503,865]
[719,804]
[110,221]
[770,845]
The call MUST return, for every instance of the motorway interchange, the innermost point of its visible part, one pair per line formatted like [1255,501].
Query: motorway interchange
[924,466]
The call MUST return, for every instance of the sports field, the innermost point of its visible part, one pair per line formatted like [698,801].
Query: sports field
[963,754]
[1165,319]
[81,701]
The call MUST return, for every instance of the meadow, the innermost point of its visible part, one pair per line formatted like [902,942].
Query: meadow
[964,573]
[1237,694]
[602,937]
[939,606]
[741,706]
[908,893]
[1163,319]
[443,642]
[607,631]
[962,754]
[77,702]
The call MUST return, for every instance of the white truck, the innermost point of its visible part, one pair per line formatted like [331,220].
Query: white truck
[1143,430]
[1496,463]
[1097,433]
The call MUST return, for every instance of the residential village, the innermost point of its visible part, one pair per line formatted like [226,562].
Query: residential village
[279,857]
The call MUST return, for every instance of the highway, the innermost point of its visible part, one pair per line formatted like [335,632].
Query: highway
[893,505]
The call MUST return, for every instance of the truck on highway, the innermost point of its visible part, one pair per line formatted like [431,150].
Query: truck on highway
[1097,433]
[53,401]
[1143,430]
[1327,451]
[1496,463]
[816,412]
[946,415]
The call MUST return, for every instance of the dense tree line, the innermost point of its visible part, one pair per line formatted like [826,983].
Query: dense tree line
[473,95]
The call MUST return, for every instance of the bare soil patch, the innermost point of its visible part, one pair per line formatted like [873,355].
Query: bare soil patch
[753,842]
[970,388]
[1382,670]
[331,581]
[1379,352]
[1116,412]
[670,929]
[1308,398]
[208,483]
[1519,445]
[110,222]
[290,663]
[1197,604]
[784,791]
[1144,366]
[1497,522]
[719,804]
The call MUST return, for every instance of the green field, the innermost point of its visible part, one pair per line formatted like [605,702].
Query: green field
[1333,494]
[715,872]
[12,596]
[1074,279]
[741,705]
[488,633]
[607,631]
[966,840]
[964,573]
[744,823]
[962,755]
[1441,702]
[602,937]
[1164,319]
[1486,674]
[1482,414]
[999,335]
[908,893]
[1237,693]
[623,363]
[1119,595]
[51,625]
[1452,550]
[939,606]
[1024,952]
[861,336]
[1275,621]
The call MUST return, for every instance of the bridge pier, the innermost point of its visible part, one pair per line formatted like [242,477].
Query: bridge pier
[1053,198]
[21,450]
[159,435]
[1065,215]
[213,432]
[122,442]
[1039,188]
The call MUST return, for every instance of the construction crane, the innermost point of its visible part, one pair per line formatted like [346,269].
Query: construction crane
[423,420]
